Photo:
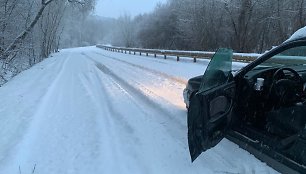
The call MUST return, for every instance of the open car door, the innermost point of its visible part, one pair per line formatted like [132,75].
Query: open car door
[209,113]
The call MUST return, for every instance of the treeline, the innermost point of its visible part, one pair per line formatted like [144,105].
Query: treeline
[243,25]
[30,30]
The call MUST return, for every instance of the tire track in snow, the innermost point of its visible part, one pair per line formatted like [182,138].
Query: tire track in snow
[27,136]
[161,89]
[112,123]
[137,95]
[118,132]
[176,79]
[152,116]
[121,124]
[134,91]
[109,147]
[61,138]
[87,83]
[164,87]
[23,122]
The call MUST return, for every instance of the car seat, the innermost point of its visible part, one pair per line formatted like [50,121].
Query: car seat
[287,121]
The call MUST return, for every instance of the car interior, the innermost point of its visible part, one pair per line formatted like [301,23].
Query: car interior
[272,107]
[271,103]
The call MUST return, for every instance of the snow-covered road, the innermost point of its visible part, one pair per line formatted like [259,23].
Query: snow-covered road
[90,111]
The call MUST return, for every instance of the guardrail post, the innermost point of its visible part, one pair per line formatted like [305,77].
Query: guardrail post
[147,54]
[194,59]
[165,56]
[155,55]
[177,58]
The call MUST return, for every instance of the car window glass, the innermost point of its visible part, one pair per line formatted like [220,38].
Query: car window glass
[290,57]
[218,70]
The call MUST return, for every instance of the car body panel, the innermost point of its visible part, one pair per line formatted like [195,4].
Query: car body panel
[264,153]
[194,85]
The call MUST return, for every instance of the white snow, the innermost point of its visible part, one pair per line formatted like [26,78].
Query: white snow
[301,33]
[86,110]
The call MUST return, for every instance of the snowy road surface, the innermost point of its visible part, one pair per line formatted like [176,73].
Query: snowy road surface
[90,111]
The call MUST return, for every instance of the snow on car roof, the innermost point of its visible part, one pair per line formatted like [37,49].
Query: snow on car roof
[299,34]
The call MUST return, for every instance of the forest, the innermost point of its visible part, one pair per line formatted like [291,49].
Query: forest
[30,30]
[243,25]
[33,29]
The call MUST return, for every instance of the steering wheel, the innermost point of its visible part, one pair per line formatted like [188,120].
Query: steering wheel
[287,90]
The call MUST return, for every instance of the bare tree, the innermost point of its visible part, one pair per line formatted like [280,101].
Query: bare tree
[126,30]
[243,25]
[8,54]
[30,30]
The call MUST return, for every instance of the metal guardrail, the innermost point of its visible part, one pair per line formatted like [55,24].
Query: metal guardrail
[241,57]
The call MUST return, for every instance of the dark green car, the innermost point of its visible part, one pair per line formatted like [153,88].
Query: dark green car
[261,107]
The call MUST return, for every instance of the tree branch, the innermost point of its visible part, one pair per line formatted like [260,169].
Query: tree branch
[23,35]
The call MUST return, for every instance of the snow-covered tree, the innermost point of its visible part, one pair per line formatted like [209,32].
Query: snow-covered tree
[31,30]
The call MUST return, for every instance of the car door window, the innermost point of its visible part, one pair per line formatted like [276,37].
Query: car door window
[218,71]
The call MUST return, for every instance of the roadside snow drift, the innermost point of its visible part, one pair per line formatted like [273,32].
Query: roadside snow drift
[90,111]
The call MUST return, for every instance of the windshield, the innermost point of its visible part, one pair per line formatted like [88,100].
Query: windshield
[291,57]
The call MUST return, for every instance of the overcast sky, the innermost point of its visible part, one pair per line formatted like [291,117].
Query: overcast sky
[115,8]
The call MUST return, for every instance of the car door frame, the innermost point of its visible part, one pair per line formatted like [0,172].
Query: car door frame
[269,54]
